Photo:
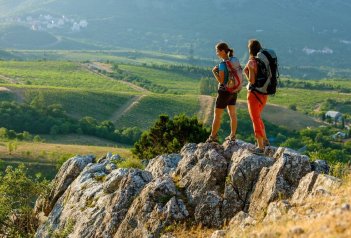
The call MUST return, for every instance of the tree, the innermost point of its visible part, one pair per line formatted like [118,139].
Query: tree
[169,135]
[11,146]
[17,195]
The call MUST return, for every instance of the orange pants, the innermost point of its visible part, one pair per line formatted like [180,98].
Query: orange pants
[256,103]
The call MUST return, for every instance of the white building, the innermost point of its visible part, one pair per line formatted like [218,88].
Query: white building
[334,115]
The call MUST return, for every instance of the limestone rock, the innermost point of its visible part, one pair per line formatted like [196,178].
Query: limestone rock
[243,174]
[314,184]
[208,211]
[96,202]
[242,220]
[207,175]
[163,164]
[69,171]
[320,166]
[276,210]
[154,208]
[278,181]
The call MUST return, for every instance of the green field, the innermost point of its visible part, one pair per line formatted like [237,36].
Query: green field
[84,92]
[58,74]
[147,110]
[305,100]
[174,82]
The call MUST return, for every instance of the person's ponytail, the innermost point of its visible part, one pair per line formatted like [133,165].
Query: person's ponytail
[230,53]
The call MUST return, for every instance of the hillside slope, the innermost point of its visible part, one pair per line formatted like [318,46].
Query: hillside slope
[300,31]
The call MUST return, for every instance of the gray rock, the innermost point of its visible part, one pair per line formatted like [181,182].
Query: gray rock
[113,180]
[152,210]
[278,181]
[208,211]
[86,204]
[243,174]
[314,184]
[270,151]
[230,148]
[320,166]
[69,171]
[242,220]
[276,210]
[188,160]
[164,164]
[207,175]
[219,234]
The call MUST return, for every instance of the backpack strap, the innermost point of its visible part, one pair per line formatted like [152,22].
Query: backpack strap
[233,71]
[257,97]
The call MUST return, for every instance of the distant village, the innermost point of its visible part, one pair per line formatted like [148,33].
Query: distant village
[336,118]
[46,22]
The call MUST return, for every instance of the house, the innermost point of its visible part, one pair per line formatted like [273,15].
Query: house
[334,115]
[339,135]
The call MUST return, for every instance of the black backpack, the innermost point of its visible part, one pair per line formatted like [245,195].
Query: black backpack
[267,72]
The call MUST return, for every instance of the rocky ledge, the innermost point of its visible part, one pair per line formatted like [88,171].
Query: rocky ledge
[205,183]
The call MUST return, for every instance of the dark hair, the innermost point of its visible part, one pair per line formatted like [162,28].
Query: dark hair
[254,47]
[224,46]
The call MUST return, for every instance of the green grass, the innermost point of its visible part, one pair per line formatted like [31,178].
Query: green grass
[146,112]
[58,74]
[305,100]
[174,82]
[125,56]
[79,103]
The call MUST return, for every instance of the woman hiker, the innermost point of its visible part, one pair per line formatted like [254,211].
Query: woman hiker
[225,99]
[255,100]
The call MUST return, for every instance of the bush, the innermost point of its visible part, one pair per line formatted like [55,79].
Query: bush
[18,192]
[169,135]
[131,163]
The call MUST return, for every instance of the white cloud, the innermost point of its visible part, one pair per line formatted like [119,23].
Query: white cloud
[347,42]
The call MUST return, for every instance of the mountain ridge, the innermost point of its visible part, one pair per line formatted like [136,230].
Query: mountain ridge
[301,32]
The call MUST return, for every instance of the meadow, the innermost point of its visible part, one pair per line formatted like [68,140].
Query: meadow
[58,74]
[82,91]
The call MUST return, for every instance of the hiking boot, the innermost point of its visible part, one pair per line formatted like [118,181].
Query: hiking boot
[258,151]
[231,139]
[212,139]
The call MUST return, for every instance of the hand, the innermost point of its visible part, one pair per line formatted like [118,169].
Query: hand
[215,69]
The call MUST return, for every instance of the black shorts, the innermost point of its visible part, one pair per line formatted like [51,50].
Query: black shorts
[225,98]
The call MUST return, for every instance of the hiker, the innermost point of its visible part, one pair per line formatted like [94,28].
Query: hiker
[225,98]
[255,100]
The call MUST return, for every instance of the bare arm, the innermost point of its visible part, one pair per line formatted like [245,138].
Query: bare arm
[250,73]
[219,75]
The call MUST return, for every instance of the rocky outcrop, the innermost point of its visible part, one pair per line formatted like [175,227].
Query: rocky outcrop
[278,181]
[205,183]
[243,174]
[67,174]
[313,184]
[163,164]
[156,207]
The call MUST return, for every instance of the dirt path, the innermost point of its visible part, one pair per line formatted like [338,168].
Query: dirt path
[126,108]
[10,80]
[95,66]
[17,92]
[206,108]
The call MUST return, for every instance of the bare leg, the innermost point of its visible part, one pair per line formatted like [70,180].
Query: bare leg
[233,120]
[216,121]
[260,142]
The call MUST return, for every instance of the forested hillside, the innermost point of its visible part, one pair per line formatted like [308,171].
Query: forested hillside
[312,33]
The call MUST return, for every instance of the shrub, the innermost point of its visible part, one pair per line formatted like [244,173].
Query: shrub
[169,135]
